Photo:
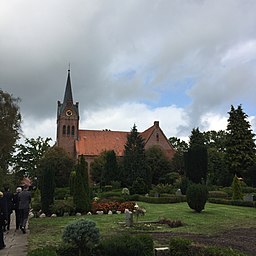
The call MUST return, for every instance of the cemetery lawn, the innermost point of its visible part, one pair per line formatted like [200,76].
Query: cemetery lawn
[215,219]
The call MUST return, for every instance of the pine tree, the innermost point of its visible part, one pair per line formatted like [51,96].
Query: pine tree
[134,159]
[240,147]
[196,158]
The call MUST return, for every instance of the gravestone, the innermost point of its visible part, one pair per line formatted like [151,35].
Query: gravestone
[128,218]
[163,251]
[248,197]
[178,192]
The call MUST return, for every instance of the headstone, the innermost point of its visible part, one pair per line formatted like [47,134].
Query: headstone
[248,197]
[128,218]
[178,192]
[163,251]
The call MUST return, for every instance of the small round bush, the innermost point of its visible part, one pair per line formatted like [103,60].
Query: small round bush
[82,233]
[197,196]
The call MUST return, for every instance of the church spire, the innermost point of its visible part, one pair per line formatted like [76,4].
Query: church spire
[68,91]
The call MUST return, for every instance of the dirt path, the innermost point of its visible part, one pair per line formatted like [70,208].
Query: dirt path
[243,240]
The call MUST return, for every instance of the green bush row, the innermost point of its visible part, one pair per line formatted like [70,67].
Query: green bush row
[232,202]
[125,245]
[217,194]
[162,200]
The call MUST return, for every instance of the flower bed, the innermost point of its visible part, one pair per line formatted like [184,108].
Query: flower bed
[112,206]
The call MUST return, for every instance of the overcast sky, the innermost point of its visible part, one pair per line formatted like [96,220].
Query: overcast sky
[182,62]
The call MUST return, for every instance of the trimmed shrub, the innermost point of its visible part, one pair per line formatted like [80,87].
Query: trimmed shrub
[217,194]
[127,245]
[197,197]
[232,202]
[179,246]
[162,200]
[82,233]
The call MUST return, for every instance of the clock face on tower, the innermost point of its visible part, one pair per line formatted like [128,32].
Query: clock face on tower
[69,112]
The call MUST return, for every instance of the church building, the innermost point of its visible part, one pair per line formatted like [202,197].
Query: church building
[91,143]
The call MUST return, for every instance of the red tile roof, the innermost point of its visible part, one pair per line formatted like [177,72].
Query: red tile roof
[93,142]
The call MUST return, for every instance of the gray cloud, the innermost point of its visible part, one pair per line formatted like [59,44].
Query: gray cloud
[125,51]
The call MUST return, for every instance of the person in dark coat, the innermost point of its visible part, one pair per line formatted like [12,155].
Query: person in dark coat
[9,196]
[24,204]
[3,218]
[16,207]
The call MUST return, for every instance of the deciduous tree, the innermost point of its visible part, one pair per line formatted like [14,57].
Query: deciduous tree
[10,121]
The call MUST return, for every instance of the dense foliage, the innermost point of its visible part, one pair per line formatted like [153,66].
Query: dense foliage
[240,147]
[158,164]
[28,156]
[196,158]
[83,233]
[134,164]
[81,195]
[197,196]
[9,129]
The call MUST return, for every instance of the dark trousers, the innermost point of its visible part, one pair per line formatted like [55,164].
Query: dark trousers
[1,235]
[8,220]
[23,217]
[17,218]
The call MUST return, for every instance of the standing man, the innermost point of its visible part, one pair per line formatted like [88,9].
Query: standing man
[24,203]
[3,219]
[16,207]
[8,197]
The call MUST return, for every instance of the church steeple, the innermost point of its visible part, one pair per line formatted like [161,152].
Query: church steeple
[68,121]
[68,91]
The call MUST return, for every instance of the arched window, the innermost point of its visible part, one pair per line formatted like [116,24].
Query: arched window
[73,130]
[68,131]
[157,137]
[64,129]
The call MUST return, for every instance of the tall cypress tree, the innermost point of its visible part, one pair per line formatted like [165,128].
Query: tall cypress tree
[81,196]
[134,158]
[47,187]
[240,147]
[196,158]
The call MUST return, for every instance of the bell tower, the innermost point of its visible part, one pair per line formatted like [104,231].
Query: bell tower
[67,121]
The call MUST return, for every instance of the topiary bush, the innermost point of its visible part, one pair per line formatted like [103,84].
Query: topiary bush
[127,245]
[82,233]
[197,197]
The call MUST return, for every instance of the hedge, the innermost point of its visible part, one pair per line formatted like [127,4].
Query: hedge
[232,202]
[162,200]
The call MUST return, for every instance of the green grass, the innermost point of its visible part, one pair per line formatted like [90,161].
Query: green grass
[214,219]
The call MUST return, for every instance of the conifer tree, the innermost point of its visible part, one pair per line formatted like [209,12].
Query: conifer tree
[196,158]
[81,196]
[134,159]
[240,147]
[236,189]
[47,188]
